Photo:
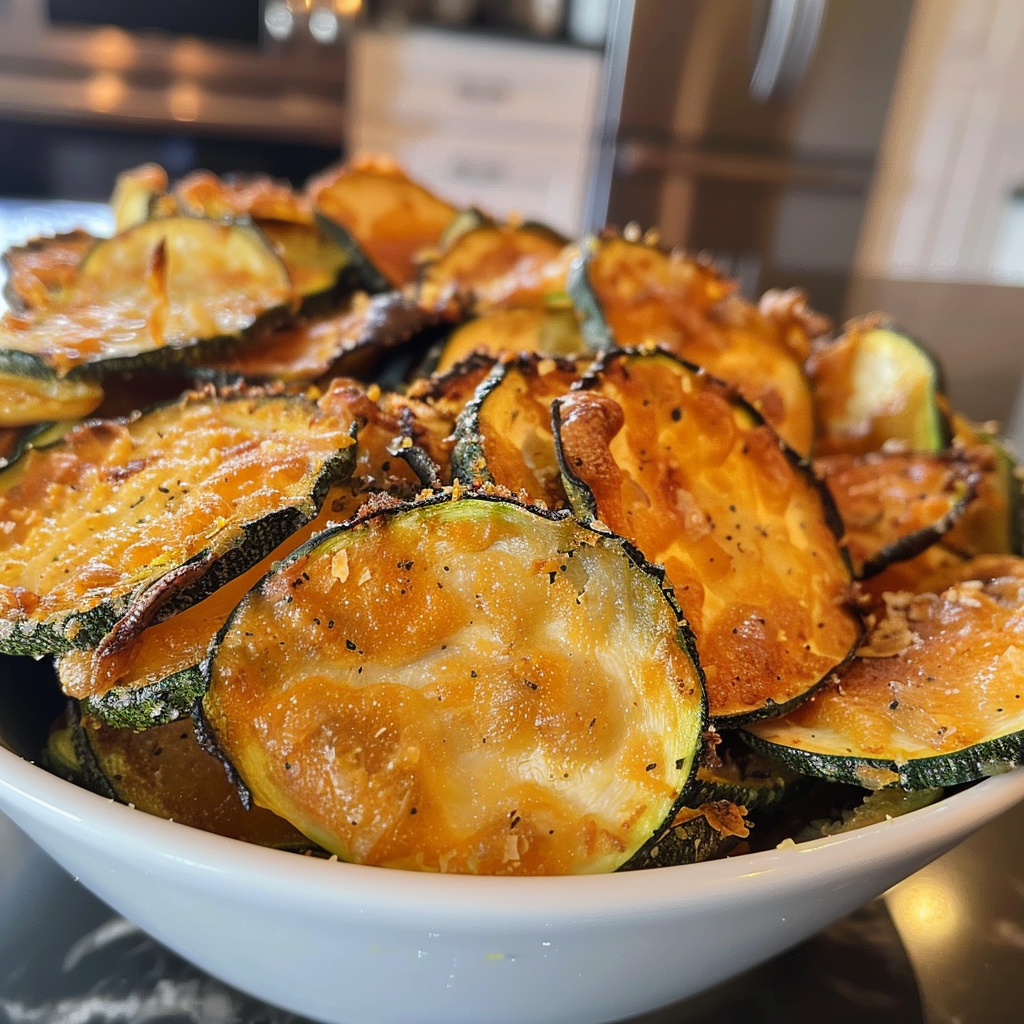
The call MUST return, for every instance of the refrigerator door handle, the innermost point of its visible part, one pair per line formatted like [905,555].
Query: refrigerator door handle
[788,41]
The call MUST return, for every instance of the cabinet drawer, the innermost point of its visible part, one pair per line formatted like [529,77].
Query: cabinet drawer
[431,78]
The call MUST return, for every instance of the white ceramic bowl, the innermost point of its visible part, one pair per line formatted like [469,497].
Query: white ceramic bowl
[363,945]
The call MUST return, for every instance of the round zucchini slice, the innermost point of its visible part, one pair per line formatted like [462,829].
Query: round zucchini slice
[935,697]
[150,295]
[164,772]
[875,384]
[31,392]
[700,832]
[504,436]
[121,522]
[675,461]
[381,217]
[463,685]
[548,331]
[630,293]
[894,505]
[492,254]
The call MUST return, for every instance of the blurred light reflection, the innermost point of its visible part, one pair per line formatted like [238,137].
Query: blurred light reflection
[929,910]
[184,99]
[105,92]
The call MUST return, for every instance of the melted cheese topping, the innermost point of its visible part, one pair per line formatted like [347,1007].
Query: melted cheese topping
[464,687]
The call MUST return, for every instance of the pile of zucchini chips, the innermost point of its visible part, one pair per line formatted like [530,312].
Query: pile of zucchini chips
[359,524]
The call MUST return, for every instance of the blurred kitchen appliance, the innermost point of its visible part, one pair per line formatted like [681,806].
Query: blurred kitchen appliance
[88,87]
[749,129]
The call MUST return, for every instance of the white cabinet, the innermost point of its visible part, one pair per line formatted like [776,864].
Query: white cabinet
[507,126]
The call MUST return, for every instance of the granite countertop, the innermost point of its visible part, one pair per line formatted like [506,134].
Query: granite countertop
[943,947]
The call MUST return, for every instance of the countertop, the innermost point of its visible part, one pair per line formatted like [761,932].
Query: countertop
[943,947]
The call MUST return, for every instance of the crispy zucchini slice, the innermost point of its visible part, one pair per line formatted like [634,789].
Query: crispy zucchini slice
[549,331]
[31,392]
[935,697]
[137,192]
[164,772]
[381,217]
[39,271]
[741,775]
[155,677]
[701,832]
[877,384]
[320,270]
[203,194]
[631,294]
[464,685]
[895,504]
[124,521]
[504,434]
[479,257]
[312,348]
[152,295]
[672,459]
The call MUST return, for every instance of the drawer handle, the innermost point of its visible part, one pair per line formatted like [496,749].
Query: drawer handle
[483,90]
[478,172]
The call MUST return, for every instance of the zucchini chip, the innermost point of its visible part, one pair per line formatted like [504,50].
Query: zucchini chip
[122,522]
[167,773]
[468,685]
[151,295]
[631,294]
[877,384]
[481,258]
[39,271]
[672,459]
[155,677]
[138,193]
[741,775]
[32,393]
[548,331]
[310,349]
[894,505]
[704,832]
[504,436]
[935,698]
[381,218]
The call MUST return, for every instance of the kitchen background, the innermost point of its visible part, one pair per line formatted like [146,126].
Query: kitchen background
[869,150]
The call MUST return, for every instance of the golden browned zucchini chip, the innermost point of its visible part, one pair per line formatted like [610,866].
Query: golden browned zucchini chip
[894,505]
[504,434]
[39,271]
[167,773]
[935,698]
[672,459]
[464,685]
[123,521]
[388,217]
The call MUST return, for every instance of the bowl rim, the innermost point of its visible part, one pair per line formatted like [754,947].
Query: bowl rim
[31,793]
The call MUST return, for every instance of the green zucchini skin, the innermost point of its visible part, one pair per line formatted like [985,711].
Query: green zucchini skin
[846,408]
[991,757]
[694,840]
[180,586]
[158,703]
[593,325]
[365,275]
[469,460]
[321,550]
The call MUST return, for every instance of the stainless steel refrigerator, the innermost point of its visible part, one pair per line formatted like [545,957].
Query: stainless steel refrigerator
[748,129]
